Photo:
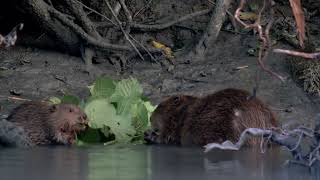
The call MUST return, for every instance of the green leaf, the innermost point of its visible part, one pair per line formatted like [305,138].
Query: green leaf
[106,131]
[127,88]
[124,105]
[69,99]
[118,110]
[99,111]
[55,100]
[90,136]
[150,108]
[122,129]
[140,117]
[102,87]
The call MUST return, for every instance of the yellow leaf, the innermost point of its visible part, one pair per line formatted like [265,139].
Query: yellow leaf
[167,50]
[248,16]
[157,45]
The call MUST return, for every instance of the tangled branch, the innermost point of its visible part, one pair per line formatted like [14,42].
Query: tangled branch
[292,140]
[263,33]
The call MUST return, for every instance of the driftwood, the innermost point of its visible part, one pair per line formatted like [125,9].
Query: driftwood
[291,139]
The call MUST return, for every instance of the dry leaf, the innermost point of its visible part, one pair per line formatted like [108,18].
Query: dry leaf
[167,50]
[248,16]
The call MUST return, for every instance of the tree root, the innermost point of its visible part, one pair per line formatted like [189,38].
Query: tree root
[213,29]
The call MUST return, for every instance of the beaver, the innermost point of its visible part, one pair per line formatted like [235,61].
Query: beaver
[47,124]
[12,136]
[221,116]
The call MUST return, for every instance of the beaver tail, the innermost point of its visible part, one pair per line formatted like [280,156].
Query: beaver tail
[12,136]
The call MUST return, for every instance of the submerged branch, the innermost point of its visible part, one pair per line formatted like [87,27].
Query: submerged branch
[292,140]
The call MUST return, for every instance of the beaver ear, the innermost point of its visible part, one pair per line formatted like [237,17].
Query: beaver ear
[53,108]
[176,100]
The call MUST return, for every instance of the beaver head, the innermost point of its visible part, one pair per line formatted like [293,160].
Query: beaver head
[168,119]
[67,120]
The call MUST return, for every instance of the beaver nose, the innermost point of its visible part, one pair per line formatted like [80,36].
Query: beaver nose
[150,136]
[147,136]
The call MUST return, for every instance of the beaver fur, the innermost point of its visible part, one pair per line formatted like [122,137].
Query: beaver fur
[221,116]
[45,124]
[12,136]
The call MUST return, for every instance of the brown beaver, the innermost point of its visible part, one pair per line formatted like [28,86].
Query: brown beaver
[45,124]
[221,116]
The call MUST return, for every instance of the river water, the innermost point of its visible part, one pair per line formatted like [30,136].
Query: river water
[142,162]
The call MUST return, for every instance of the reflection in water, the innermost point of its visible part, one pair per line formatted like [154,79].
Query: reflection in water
[118,162]
[43,164]
[147,163]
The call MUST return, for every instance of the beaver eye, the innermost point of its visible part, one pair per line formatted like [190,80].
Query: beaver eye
[70,110]
[176,100]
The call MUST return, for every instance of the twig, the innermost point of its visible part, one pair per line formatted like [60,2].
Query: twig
[88,38]
[157,27]
[263,35]
[144,27]
[126,10]
[97,12]
[117,8]
[128,15]
[14,98]
[142,9]
[123,31]
[143,47]
[148,51]
[315,56]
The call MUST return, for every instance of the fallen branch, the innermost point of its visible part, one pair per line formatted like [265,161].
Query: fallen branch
[292,140]
[314,56]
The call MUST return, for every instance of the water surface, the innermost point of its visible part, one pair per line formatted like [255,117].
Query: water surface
[142,162]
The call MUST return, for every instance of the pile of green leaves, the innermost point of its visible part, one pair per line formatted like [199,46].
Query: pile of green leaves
[117,111]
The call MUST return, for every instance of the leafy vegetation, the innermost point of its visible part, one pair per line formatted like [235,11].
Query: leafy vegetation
[118,111]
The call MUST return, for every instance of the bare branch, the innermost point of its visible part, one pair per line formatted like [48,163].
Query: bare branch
[142,9]
[105,17]
[81,16]
[117,9]
[315,56]
[126,10]
[144,27]
[98,43]
[282,138]
[263,34]
[123,31]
